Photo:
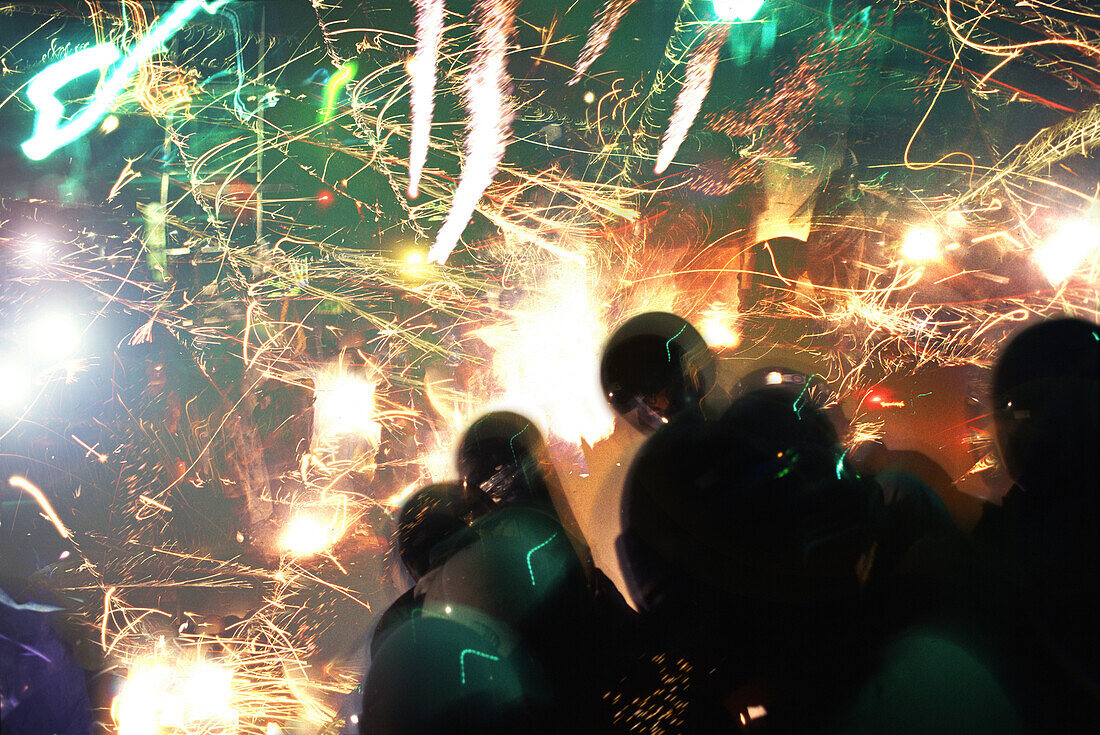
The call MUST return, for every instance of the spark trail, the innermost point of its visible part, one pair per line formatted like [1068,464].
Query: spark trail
[697,79]
[599,35]
[429,37]
[488,88]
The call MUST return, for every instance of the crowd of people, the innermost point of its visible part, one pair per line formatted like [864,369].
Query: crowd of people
[772,580]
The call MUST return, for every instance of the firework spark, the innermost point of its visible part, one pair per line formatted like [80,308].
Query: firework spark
[429,37]
[487,88]
[599,35]
[26,486]
[700,70]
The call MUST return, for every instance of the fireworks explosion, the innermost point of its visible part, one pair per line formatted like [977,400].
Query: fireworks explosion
[262,266]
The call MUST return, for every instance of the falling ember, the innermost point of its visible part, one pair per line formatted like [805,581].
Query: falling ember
[697,78]
[488,88]
[429,37]
[599,35]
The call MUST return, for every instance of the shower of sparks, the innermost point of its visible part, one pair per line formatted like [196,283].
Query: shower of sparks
[245,277]
[599,35]
[429,37]
[487,91]
[700,70]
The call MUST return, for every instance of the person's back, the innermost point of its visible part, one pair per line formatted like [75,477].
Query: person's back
[744,542]
[1045,536]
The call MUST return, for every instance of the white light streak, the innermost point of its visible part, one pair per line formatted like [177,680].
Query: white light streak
[488,88]
[429,37]
[697,79]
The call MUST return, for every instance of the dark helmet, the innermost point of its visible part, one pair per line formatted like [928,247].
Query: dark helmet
[1045,399]
[760,504]
[804,387]
[812,387]
[502,459]
[452,673]
[655,366]
[430,516]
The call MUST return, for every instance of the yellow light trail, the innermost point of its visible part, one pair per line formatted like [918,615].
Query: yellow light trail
[23,484]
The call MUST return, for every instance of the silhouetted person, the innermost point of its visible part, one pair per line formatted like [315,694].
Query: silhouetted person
[454,673]
[912,509]
[748,538]
[502,460]
[1045,534]
[525,570]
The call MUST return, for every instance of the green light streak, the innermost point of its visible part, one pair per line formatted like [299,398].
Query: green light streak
[50,133]
[530,569]
[840,464]
[336,82]
[668,345]
[475,652]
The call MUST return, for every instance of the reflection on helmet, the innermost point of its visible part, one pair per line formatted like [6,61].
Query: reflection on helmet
[812,387]
[440,674]
[655,366]
[501,460]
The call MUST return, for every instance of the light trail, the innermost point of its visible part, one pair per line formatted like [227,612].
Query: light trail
[26,486]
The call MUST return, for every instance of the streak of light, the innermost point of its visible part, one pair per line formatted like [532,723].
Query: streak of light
[156,504]
[487,90]
[23,484]
[598,36]
[100,457]
[429,36]
[700,71]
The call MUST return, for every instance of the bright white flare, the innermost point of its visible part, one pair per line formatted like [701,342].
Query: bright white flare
[697,77]
[743,10]
[181,697]
[1067,250]
[429,37]
[921,244]
[488,88]
[17,383]
[718,326]
[547,356]
[54,336]
[345,406]
[307,535]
